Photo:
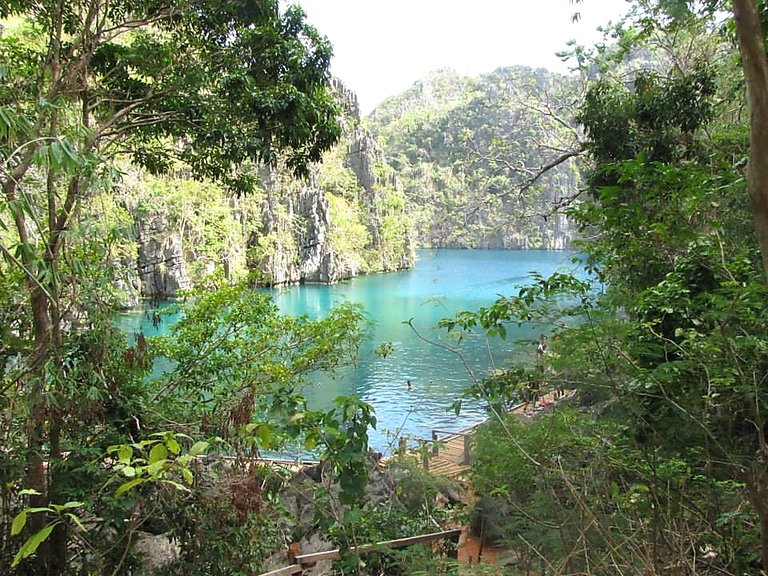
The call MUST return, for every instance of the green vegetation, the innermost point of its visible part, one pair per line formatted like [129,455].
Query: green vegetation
[664,468]
[470,154]
[128,124]
[87,87]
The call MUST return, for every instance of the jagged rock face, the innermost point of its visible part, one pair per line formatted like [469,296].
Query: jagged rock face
[362,154]
[128,284]
[299,252]
[294,244]
[160,262]
[291,240]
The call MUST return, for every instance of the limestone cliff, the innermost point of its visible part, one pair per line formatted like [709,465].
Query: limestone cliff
[160,263]
[340,223]
[469,153]
[292,244]
[348,218]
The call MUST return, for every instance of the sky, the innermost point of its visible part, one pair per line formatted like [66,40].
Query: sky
[381,47]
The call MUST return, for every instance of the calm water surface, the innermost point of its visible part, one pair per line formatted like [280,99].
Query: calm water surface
[442,283]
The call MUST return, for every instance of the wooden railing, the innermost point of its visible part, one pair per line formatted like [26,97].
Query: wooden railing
[467,443]
[303,562]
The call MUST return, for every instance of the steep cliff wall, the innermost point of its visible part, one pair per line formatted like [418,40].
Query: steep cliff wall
[160,263]
[292,243]
[338,224]
[348,218]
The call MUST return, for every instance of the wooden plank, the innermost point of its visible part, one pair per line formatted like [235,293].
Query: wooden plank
[399,543]
[287,571]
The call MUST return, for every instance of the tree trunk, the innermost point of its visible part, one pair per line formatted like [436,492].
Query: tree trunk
[753,59]
[757,489]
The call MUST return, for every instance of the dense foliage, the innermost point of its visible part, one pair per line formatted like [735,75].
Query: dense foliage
[107,439]
[206,90]
[665,469]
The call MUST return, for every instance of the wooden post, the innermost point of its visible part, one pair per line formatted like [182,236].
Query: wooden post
[453,551]
[434,443]
[294,549]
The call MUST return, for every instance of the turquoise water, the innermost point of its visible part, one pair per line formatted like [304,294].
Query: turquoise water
[442,283]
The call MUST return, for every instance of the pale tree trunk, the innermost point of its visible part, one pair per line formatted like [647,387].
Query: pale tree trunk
[755,64]
[753,58]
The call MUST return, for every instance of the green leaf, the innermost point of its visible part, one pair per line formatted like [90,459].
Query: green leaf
[198,448]
[187,475]
[177,485]
[74,504]
[159,452]
[29,492]
[155,468]
[39,509]
[173,445]
[76,520]
[124,454]
[32,543]
[265,434]
[18,523]
[123,488]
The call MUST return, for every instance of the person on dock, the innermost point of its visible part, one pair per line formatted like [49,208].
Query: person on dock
[541,349]
[530,395]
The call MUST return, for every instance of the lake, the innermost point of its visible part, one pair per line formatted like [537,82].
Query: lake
[442,283]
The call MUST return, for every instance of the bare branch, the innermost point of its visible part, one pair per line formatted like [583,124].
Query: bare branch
[533,179]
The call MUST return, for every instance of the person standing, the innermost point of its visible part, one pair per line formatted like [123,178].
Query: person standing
[541,349]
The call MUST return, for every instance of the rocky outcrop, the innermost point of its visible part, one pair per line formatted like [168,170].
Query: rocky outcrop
[160,263]
[294,243]
[287,231]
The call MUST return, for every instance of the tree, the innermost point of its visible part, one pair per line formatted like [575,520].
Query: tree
[749,30]
[671,348]
[748,23]
[217,85]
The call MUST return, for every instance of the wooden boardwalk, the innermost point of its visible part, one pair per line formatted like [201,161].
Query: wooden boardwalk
[450,459]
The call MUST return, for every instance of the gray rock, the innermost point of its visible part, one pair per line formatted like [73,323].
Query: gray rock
[156,550]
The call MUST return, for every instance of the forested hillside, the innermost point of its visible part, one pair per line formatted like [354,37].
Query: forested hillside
[338,221]
[661,465]
[470,153]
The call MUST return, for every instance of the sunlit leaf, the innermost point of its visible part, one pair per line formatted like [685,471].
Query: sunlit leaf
[33,542]
[18,523]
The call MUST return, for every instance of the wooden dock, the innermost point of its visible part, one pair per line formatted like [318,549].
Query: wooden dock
[450,455]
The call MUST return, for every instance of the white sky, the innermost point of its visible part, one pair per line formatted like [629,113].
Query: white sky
[382,47]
